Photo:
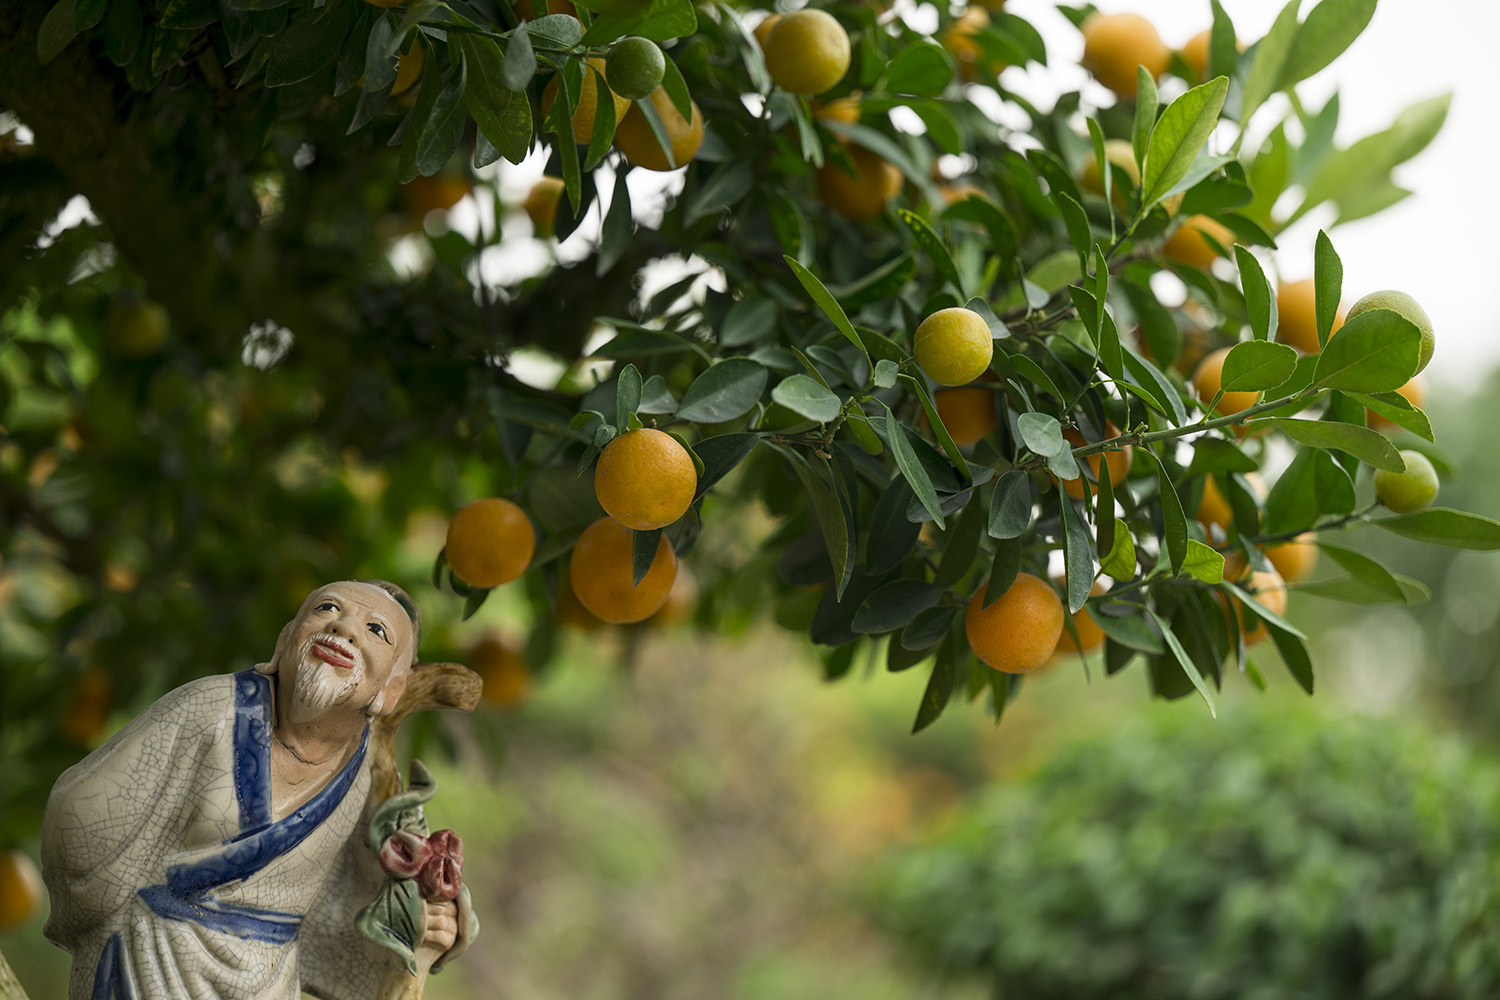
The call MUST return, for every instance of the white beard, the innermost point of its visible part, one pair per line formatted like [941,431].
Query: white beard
[318,686]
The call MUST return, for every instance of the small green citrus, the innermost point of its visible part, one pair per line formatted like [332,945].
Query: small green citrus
[1406,307]
[954,346]
[635,67]
[1404,492]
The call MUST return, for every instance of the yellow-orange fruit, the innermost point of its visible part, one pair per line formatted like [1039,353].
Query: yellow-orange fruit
[1118,462]
[588,101]
[807,51]
[968,412]
[20,889]
[1090,635]
[1214,510]
[88,708]
[1207,379]
[442,191]
[1297,316]
[862,196]
[490,542]
[681,599]
[764,28]
[503,670]
[601,571]
[844,109]
[645,479]
[1017,633]
[541,205]
[1115,44]
[409,69]
[1269,589]
[635,140]
[958,39]
[1295,560]
[1188,246]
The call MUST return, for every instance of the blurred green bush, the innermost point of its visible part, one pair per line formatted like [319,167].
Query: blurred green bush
[1283,854]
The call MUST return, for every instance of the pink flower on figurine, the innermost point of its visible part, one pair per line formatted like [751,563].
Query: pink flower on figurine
[404,854]
[442,875]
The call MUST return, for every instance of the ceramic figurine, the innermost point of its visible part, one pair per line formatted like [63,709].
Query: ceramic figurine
[223,845]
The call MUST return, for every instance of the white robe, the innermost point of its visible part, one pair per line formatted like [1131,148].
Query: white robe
[169,878]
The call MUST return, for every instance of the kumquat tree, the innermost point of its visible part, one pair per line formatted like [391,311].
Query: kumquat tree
[937,376]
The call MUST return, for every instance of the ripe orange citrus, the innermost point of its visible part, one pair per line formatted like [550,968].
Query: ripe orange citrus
[1120,153]
[1214,509]
[864,195]
[1405,306]
[635,67]
[570,611]
[600,571]
[1118,462]
[88,708]
[1295,560]
[764,28]
[954,346]
[1207,379]
[968,412]
[952,194]
[1115,44]
[844,109]
[441,191]
[1270,590]
[635,140]
[1090,635]
[409,69]
[807,51]
[1297,316]
[1017,633]
[1414,489]
[1415,392]
[20,889]
[958,39]
[490,542]
[681,599]
[541,205]
[645,479]
[503,669]
[588,101]
[1188,246]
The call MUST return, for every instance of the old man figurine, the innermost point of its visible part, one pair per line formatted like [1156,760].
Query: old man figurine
[216,846]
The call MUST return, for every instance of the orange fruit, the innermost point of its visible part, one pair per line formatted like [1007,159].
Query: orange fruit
[807,51]
[20,889]
[1296,559]
[409,69]
[681,599]
[764,28]
[601,570]
[952,194]
[844,109]
[958,39]
[570,611]
[968,412]
[1207,379]
[1415,392]
[541,205]
[862,196]
[490,542]
[588,101]
[1017,633]
[1267,588]
[1188,246]
[507,680]
[1297,316]
[1120,153]
[645,479]
[88,708]
[1214,508]
[440,192]
[634,138]
[954,346]
[1090,635]
[1115,44]
[1118,462]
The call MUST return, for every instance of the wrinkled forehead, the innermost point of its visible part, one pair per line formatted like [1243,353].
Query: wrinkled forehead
[352,593]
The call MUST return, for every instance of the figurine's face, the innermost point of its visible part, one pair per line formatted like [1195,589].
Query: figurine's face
[347,643]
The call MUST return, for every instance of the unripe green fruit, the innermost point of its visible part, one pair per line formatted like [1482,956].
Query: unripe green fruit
[635,67]
[1406,307]
[1404,492]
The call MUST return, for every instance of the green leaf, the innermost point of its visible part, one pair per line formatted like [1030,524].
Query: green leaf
[1375,351]
[180,14]
[1132,630]
[1329,29]
[1223,45]
[1183,660]
[1257,364]
[945,440]
[1042,433]
[1003,570]
[891,535]
[59,27]
[939,687]
[935,248]
[1010,505]
[307,45]
[1177,138]
[1352,590]
[1119,562]
[1270,58]
[603,132]
[894,605]
[416,122]
[1150,378]
[727,390]
[1398,410]
[928,627]
[1294,654]
[911,467]
[487,95]
[826,302]
[1032,372]
[661,22]
[1366,570]
[805,396]
[960,545]
[828,509]
[720,455]
[886,373]
[627,395]
[445,125]
[1203,562]
[643,548]
[1260,302]
[1078,555]
[921,68]
[618,223]
[1328,284]
[1260,610]
[1077,222]
[1173,519]
[1370,447]
[558,32]
[1146,106]
[724,188]
[1445,526]
[519,64]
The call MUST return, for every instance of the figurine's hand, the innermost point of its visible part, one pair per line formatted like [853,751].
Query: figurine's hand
[439,931]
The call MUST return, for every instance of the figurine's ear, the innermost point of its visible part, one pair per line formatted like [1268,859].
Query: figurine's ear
[390,696]
[270,667]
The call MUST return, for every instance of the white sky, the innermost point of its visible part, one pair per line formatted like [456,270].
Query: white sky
[1437,245]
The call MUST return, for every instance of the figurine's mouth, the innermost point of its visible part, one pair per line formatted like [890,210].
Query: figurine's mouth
[333,653]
